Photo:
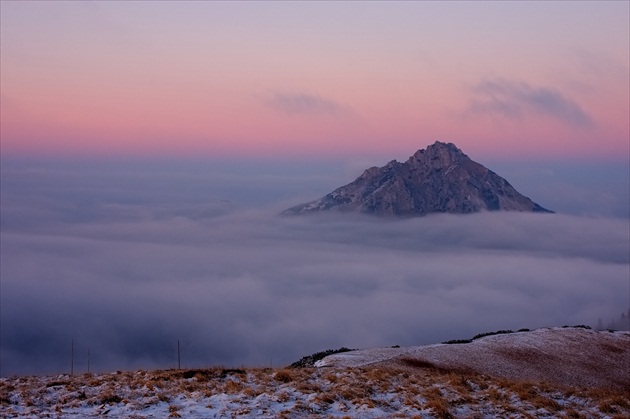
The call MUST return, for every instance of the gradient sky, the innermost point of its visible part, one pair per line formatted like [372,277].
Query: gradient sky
[285,79]
[147,148]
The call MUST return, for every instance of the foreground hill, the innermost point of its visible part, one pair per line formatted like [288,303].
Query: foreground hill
[440,178]
[427,382]
[577,357]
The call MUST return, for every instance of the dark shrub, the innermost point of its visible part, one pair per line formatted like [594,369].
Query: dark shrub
[310,360]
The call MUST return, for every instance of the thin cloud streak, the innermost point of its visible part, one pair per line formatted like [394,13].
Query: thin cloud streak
[517,99]
[303,104]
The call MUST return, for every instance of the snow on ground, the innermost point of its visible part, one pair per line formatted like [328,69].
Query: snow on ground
[567,356]
[373,383]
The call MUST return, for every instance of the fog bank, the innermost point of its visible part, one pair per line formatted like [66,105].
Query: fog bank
[128,272]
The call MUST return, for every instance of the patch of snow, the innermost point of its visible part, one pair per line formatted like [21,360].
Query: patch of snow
[373,383]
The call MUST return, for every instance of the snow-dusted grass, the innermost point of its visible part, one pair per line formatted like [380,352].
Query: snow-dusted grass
[523,375]
[367,392]
[563,355]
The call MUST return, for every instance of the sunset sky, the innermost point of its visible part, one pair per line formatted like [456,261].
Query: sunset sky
[509,80]
[147,149]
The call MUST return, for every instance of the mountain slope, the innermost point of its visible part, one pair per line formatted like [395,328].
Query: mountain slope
[565,356]
[440,178]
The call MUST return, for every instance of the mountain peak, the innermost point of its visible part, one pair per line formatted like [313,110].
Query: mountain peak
[441,144]
[437,155]
[440,178]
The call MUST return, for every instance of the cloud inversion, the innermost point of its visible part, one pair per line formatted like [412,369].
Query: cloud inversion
[127,270]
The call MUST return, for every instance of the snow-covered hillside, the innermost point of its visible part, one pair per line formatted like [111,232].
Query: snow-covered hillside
[394,382]
[567,356]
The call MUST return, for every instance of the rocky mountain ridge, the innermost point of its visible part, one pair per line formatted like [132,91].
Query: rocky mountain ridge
[440,178]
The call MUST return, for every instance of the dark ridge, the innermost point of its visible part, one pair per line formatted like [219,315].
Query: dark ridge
[310,360]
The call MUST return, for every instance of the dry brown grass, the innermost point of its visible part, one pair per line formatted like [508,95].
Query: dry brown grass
[308,386]
[613,405]
[314,392]
[497,395]
[331,377]
[614,396]
[283,396]
[325,398]
[253,392]
[572,413]
[547,403]
[173,411]
[439,408]
[436,402]
[460,383]
[284,375]
[413,401]
[232,387]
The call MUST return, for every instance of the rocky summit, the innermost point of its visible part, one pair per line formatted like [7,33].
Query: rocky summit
[440,178]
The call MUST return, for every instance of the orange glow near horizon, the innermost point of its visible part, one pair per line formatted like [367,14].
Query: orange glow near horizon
[105,78]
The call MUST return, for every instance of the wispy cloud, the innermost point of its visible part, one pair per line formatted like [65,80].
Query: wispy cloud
[517,99]
[303,103]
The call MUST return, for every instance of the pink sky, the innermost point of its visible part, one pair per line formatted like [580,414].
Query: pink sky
[315,79]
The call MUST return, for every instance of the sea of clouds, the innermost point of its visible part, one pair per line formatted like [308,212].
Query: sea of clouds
[126,260]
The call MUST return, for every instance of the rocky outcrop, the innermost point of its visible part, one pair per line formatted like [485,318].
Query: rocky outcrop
[440,178]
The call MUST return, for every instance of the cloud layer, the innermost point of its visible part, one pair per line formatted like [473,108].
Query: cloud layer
[516,99]
[128,276]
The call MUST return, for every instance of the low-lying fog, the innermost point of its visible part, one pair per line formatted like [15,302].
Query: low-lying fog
[127,261]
